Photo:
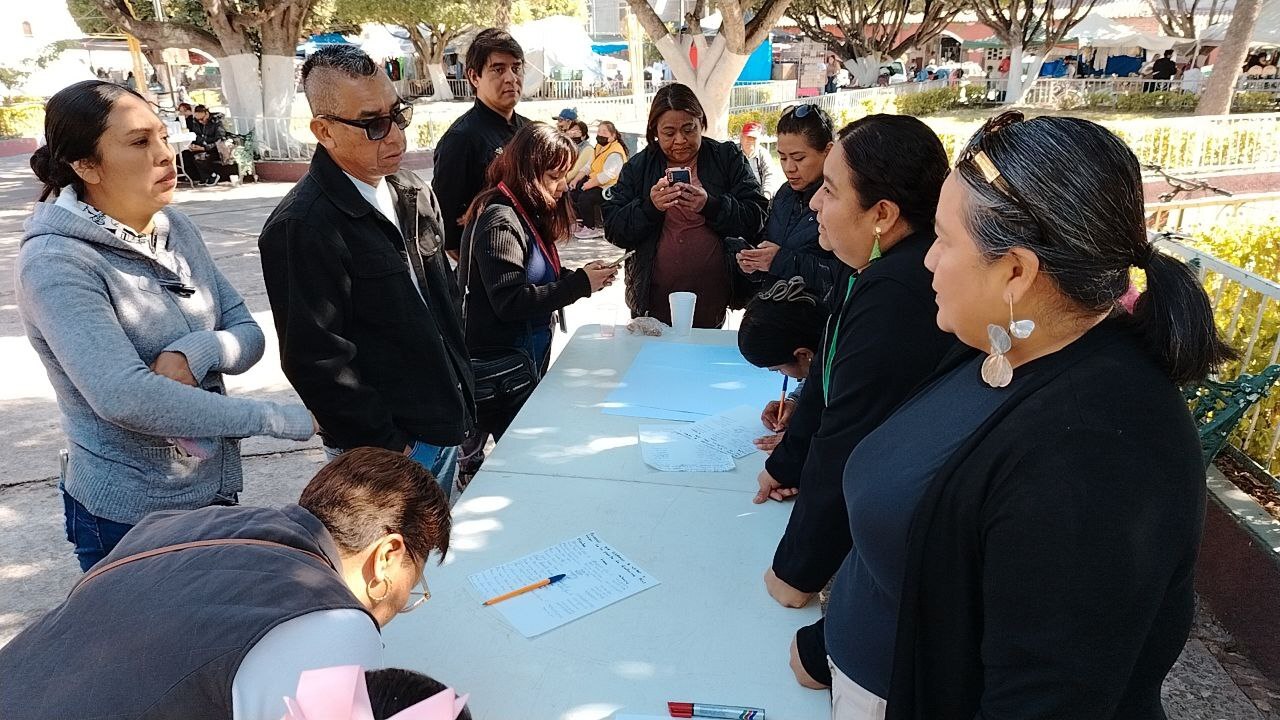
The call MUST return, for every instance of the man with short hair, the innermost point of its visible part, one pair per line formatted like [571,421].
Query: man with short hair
[1164,68]
[758,158]
[566,119]
[495,68]
[364,300]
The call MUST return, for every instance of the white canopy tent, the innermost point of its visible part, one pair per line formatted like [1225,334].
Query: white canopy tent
[552,43]
[1266,32]
[1101,32]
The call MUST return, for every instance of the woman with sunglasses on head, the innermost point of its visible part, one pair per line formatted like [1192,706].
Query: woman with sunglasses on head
[875,212]
[510,272]
[790,248]
[1026,525]
[212,614]
[134,323]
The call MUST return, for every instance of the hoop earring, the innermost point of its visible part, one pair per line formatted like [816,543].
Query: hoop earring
[997,371]
[369,591]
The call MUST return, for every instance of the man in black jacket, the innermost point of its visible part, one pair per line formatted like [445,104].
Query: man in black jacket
[495,67]
[200,159]
[363,297]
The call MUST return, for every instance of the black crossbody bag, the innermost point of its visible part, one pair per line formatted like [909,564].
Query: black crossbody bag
[504,376]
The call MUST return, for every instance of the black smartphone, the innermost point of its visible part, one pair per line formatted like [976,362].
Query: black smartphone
[679,175]
[736,245]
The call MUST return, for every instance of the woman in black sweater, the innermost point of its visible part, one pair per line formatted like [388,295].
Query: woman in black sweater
[509,266]
[875,212]
[1025,526]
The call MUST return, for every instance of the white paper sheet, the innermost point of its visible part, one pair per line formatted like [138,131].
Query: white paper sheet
[689,379]
[669,449]
[597,576]
[731,432]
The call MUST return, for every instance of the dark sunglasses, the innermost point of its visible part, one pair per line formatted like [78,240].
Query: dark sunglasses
[803,111]
[378,127]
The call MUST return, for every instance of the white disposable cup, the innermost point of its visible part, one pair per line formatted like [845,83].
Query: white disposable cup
[682,304]
[608,315]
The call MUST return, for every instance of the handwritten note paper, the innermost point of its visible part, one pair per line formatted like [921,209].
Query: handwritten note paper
[730,432]
[597,576]
[669,449]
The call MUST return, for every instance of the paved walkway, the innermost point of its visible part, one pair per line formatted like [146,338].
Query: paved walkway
[36,564]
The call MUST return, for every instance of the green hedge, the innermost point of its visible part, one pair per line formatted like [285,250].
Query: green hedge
[1247,102]
[1256,248]
[21,120]
[1160,101]
[929,102]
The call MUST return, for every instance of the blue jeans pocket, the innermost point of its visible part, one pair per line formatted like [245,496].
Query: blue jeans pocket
[93,537]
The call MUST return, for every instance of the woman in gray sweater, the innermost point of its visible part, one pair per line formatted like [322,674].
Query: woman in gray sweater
[134,324]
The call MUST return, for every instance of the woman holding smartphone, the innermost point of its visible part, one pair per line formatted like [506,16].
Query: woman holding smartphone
[674,204]
[509,268]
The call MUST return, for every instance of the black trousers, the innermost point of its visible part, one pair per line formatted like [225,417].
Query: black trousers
[198,166]
[588,204]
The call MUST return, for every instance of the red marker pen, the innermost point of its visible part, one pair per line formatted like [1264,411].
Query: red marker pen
[704,710]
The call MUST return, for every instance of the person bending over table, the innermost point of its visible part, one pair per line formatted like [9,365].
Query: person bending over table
[1026,525]
[134,324]
[510,272]
[875,211]
[677,228]
[781,330]
[790,246]
[213,613]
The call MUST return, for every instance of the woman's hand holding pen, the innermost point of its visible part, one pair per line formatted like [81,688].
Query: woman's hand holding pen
[773,420]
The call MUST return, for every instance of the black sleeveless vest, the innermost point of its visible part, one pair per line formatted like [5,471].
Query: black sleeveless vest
[162,637]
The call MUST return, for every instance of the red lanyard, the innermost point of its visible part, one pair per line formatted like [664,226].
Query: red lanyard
[548,251]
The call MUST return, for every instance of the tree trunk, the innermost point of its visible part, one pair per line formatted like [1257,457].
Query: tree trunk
[865,69]
[1033,74]
[715,89]
[439,81]
[1221,85]
[1013,86]
[712,81]
[241,88]
[502,15]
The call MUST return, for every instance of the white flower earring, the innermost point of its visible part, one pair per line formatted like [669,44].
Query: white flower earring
[996,369]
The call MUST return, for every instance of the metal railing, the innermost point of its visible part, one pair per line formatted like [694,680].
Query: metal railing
[1203,143]
[279,138]
[1246,306]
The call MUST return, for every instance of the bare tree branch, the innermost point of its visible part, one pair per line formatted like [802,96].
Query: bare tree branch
[159,34]
[765,18]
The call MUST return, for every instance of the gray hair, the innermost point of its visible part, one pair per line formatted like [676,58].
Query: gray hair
[346,60]
[1071,192]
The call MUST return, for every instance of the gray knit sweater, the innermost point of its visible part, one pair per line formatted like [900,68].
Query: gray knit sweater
[99,309]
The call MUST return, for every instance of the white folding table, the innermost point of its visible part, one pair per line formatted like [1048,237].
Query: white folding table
[707,633]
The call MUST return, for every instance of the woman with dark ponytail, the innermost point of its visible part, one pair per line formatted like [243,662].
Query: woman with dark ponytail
[1026,545]
[134,323]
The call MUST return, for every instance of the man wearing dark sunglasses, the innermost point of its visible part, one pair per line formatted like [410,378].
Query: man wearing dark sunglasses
[361,291]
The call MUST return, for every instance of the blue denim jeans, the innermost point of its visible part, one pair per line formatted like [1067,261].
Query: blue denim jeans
[92,536]
[441,461]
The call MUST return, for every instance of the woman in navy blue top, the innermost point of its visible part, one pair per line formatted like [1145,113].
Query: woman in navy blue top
[790,248]
[509,267]
[1025,528]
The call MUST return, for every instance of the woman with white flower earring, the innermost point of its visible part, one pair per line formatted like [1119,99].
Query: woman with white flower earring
[1025,539]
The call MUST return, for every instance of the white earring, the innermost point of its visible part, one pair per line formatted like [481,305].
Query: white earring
[997,371]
